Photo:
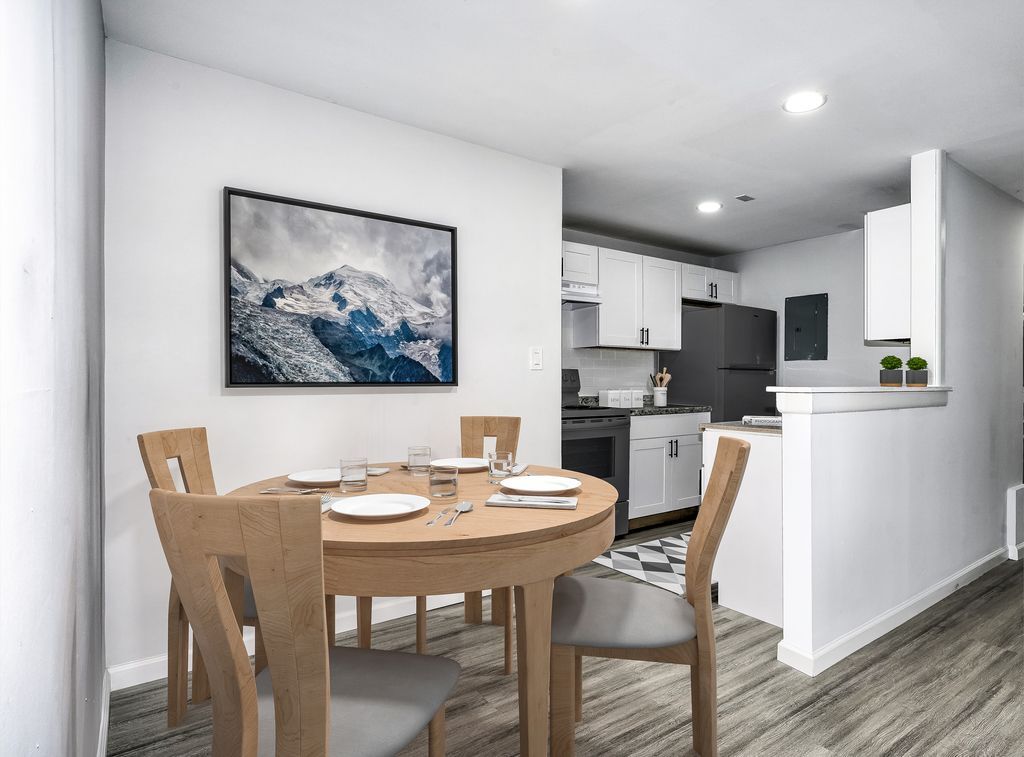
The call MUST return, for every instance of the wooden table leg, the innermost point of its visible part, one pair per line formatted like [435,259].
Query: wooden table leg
[421,625]
[499,599]
[474,607]
[364,620]
[563,708]
[533,634]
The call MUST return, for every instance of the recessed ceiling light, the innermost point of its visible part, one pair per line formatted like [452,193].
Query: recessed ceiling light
[709,206]
[804,102]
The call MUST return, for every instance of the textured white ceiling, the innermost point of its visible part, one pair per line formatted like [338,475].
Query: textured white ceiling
[652,105]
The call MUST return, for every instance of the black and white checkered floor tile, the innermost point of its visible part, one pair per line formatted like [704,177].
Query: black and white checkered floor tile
[661,562]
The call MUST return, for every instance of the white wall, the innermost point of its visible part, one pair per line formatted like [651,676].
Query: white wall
[886,512]
[176,134]
[832,264]
[51,189]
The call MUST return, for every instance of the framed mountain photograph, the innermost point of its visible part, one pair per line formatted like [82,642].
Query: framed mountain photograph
[325,296]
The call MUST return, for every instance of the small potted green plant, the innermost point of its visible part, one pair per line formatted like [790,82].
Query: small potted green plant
[917,371]
[891,375]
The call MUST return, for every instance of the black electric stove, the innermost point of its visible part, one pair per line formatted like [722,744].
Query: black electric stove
[595,441]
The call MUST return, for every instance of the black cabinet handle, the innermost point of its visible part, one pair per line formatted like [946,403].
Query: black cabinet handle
[716,291]
[676,443]
[647,336]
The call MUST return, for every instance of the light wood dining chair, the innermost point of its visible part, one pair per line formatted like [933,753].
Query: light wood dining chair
[312,699]
[505,431]
[189,447]
[599,617]
[475,429]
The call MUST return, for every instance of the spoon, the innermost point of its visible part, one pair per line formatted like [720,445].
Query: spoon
[462,507]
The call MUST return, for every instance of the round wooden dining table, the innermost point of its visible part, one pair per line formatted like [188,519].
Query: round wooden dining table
[526,548]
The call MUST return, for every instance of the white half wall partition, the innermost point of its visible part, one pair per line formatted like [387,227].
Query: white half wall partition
[894,498]
[177,134]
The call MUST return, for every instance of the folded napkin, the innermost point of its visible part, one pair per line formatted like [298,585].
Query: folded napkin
[545,503]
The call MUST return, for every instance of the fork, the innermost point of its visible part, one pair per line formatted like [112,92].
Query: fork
[325,502]
[438,517]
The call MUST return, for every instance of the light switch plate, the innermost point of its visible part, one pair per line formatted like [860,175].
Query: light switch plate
[536,358]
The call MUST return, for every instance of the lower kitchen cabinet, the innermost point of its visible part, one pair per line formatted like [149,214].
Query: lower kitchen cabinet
[664,463]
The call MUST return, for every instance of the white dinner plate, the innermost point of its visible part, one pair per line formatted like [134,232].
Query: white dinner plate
[540,484]
[372,506]
[318,477]
[464,464]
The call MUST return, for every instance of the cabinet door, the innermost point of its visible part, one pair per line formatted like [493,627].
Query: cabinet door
[695,282]
[726,286]
[649,477]
[663,304]
[621,308]
[887,274]
[579,262]
[684,472]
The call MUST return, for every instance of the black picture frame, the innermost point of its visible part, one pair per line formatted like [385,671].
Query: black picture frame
[230,379]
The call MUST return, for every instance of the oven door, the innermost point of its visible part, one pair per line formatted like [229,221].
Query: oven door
[598,447]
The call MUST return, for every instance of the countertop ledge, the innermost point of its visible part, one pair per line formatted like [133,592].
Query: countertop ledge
[668,410]
[812,400]
[742,428]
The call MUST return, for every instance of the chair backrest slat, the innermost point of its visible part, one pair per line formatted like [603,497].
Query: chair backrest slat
[504,429]
[281,543]
[186,445]
[715,507]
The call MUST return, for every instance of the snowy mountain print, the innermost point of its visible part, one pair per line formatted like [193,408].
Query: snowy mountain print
[380,314]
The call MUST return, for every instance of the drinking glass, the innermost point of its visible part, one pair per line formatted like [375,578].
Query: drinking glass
[419,461]
[499,466]
[444,481]
[353,474]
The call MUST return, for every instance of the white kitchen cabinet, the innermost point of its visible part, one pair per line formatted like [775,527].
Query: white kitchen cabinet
[662,304]
[664,463]
[695,282]
[579,262]
[626,280]
[709,284]
[887,274]
[724,285]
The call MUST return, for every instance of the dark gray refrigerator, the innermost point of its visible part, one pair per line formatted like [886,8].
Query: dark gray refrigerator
[727,361]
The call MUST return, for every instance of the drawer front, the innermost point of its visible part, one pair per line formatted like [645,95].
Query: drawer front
[677,424]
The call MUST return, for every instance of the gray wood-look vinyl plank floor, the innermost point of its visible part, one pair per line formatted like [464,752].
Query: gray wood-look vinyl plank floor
[949,682]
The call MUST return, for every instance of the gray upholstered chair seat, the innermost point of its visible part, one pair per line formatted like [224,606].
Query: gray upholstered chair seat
[380,701]
[602,612]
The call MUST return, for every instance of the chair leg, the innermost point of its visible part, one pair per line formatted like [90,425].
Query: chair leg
[509,625]
[260,661]
[704,695]
[332,631]
[364,620]
[474,607]
[578,677]
[421,626]
[177,660]
[200,681]
[563,708]
[500,600]
[436,735]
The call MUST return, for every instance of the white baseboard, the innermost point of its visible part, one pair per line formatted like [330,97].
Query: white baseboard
[814,662]
[154,668]
[101,745]
[1014,524]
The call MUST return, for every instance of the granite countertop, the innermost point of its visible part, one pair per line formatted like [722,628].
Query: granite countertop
[669,410]
[746,428]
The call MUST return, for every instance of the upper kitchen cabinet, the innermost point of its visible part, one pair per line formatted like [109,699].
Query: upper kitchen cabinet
[640,304]
[662,304]
[579,262]
[887,274]
[709,284]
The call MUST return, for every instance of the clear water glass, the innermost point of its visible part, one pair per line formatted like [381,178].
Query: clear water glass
[444,481]
[499,466]
[353,474]
[419,460]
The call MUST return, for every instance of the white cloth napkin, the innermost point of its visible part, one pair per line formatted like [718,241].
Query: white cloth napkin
[545,503]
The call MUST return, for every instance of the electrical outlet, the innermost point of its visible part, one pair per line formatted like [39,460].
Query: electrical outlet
[536,358]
